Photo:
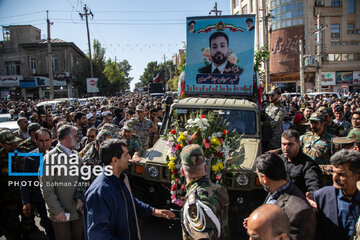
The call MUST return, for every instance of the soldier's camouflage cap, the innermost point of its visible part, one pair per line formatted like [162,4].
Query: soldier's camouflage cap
[316,116]
[105,135]
[357,111]
[325,111]
[354,134]
[6,136]
[352,137]
[140,108]
[110,127]
[192,155]
[274,91]
[129,126]
[33,127]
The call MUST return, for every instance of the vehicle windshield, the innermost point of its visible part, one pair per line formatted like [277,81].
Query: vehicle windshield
[241,120]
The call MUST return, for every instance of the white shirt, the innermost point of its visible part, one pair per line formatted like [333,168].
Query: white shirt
[221,67]
[67,150]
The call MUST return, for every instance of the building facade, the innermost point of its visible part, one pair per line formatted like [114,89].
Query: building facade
[24,65]
[334,57]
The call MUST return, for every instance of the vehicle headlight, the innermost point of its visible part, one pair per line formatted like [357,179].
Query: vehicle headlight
[153,171]
[242,180]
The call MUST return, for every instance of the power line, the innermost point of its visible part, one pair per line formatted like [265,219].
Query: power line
[131,20]
[25,22]
[24,14]
[127,23]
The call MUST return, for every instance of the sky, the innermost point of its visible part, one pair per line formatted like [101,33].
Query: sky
[139,31]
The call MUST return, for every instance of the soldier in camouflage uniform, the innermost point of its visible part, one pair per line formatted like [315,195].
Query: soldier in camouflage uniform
[316,143]
[274,115]
[10,201]
[205,212]
[133,141]
[330,126]
[142,126]
[29,144]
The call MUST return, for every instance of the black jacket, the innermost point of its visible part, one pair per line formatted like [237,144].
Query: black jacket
[304,172]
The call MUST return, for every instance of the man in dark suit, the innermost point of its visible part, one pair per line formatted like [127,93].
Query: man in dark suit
[31,194]
[304,172]
[339,205]
[219,51]
[273,176]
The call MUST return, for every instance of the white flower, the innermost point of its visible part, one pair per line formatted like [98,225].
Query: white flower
[219,134]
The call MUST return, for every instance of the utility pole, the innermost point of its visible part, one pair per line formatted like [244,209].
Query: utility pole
[50,65]
[265,18]
[165,74]
[215,10]
[301,65]
[86,14]
[319,55]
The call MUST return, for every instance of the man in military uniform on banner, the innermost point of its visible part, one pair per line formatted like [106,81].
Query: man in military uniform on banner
[205,212]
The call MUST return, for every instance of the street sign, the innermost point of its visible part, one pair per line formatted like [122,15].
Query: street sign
[92,85]
[344,86]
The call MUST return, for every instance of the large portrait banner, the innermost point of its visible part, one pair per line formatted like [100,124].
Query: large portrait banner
[220,55]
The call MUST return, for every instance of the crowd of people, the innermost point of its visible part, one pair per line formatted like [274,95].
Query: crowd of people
[301,137]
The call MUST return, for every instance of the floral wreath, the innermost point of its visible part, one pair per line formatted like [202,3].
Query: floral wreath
[209,131]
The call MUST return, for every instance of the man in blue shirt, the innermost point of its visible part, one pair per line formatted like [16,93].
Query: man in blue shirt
[110,210]
[339,205]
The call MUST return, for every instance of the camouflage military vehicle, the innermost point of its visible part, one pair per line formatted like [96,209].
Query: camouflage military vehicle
[150,178]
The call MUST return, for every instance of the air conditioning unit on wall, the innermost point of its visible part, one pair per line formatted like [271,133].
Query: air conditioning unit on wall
[319,3]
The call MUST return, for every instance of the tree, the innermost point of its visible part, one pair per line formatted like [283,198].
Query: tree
[260,56]
[125,67]
[112,76]
[152,69]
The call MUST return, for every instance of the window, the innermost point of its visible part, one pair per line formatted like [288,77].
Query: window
[6,33]
[288,13]
[55,64]
[335,33]
[32,63]
[335,3]
[337,57]
[12,68]
[351,6]
[277,10]
[72,63]
[245,9]
[350,28]
[235,3]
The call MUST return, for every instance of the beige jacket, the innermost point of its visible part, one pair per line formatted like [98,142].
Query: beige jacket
[59,181]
